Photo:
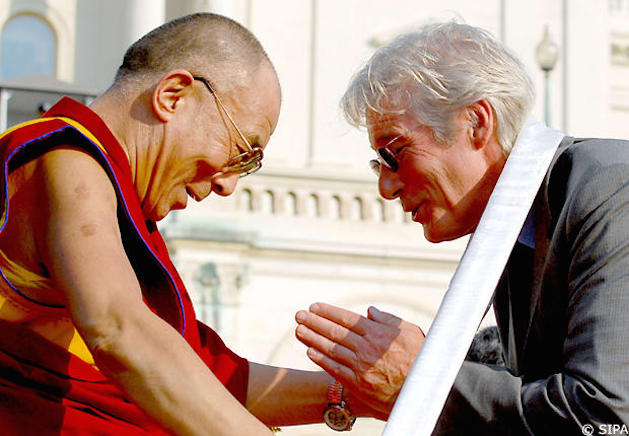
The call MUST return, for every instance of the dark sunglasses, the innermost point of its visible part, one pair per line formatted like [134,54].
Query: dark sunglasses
[387,157]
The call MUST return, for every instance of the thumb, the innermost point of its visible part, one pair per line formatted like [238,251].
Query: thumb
[383,317]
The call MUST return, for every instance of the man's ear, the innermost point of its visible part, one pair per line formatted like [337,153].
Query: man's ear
[169,93]
[482,123]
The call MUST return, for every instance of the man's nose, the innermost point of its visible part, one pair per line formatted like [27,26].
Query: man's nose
[224,184]
[389,184]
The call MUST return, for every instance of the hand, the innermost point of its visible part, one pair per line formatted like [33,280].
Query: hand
[370,356]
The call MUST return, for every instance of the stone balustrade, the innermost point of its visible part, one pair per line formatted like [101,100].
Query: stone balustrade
[318,204]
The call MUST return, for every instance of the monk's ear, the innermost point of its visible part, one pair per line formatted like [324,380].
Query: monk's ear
[482,123]
[170,93]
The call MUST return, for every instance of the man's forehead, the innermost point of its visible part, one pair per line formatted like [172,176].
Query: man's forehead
[379,125]
[386,119]
[261,103]
[374,118]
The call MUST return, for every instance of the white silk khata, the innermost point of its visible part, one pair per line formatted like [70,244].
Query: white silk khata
[464,304]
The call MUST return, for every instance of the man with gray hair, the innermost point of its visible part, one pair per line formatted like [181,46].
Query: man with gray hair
[97,332]
[443,108]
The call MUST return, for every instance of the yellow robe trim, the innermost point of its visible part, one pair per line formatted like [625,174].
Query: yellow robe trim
[53,323]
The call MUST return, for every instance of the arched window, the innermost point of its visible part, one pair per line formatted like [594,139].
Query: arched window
[267,204]
[246,200]
[28,47]
[379,215]
[335,209]
[357,209]
[291,203]
[312,206]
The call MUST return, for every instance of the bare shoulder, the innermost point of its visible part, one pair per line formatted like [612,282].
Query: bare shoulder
[70,231]
[77,200]
[69,175]
[65,184]
[78,237]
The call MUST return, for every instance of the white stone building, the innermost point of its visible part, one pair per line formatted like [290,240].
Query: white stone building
[310,225]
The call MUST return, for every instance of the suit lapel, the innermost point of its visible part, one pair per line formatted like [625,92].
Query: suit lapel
[542,224]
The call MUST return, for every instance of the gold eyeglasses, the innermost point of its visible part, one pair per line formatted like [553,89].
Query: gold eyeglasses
[246,162]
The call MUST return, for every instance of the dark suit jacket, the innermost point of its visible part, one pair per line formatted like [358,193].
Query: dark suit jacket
[562,309]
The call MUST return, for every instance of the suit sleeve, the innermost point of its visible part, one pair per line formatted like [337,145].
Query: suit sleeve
[592,384]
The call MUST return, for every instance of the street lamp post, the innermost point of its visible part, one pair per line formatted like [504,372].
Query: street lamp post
[547,54]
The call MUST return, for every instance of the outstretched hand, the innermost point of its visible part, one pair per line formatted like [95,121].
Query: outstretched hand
[371,356]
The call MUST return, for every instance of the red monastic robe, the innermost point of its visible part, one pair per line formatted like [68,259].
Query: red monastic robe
[46,388]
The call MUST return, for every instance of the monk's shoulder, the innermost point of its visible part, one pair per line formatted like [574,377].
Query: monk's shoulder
[62,183]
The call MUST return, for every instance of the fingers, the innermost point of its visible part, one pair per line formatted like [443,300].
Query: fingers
[348,319]
[324,345]
[383,317]
[342,373]
[324,333]
[389,319]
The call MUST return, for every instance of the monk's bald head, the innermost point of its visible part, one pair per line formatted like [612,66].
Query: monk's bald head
[205,44]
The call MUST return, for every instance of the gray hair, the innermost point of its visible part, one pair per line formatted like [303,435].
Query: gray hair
[434,72]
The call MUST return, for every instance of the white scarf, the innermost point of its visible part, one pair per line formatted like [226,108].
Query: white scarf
[462,309]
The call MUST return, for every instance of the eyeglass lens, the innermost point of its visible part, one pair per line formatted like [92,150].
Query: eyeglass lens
[388,158]
[245,163]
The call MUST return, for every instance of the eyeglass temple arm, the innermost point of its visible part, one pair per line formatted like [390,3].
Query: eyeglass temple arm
[218,99]
[205,82]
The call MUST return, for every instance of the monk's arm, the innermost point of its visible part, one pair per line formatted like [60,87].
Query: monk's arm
[80,244]
[283,396]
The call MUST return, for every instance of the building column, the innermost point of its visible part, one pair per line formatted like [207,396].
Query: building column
[5,95]
[218,299]
[143,16]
